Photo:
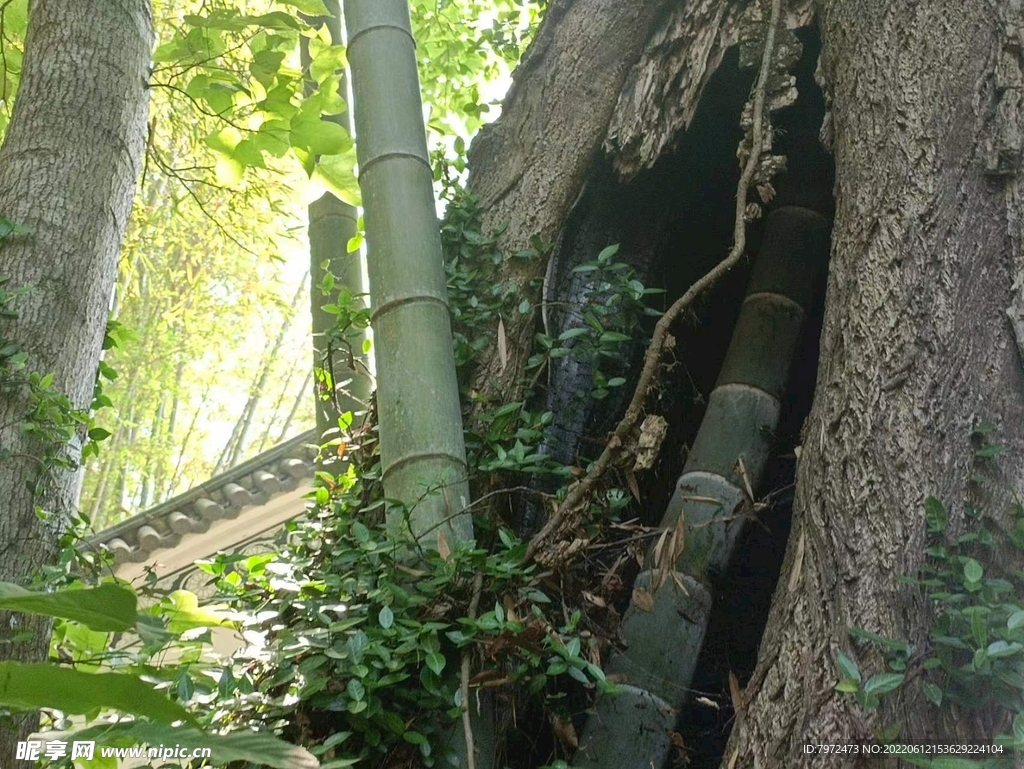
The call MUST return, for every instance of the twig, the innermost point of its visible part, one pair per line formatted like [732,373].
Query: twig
[652,358]
[467,727]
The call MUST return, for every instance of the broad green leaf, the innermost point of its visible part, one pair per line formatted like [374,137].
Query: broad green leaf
[30,686]
[607,253]
[228,171]
[320,137]
[310,7]
[999,649]
[436,662]
[265,65]
[248,153]
[935,515]
[883,682]
[337,173]
[326,62]
[109,607]
[183,612]
[257,748]
[386,617]
[973,571]
[848,667]
[1015,620]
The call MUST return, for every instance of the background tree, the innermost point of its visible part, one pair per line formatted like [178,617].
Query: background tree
[69,164]
[214,250]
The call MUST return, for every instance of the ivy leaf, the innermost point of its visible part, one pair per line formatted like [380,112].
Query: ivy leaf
[883,682]
[933,694]
[973,571]
[999,649]
[436,662]
[935,516]
[848,667]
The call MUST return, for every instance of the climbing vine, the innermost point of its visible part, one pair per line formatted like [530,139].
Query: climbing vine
[62,433]
[974,656]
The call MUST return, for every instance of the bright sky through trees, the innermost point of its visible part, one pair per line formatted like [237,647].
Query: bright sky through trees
[212,301]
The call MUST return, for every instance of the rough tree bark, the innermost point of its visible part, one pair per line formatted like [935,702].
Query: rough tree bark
[916,349]
[926,286]
[529,166]
[68,169]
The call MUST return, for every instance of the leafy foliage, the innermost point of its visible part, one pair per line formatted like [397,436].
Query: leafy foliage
[975,657]
[237,148]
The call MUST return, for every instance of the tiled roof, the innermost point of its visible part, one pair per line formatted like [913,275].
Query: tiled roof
[254,482]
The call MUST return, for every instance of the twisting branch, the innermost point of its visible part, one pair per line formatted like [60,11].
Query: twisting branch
[652,359]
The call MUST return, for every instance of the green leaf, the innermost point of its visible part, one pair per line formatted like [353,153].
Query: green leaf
[848,686]
[183,612]
[933,694]
[973,571]
[355,689]
[415,738]
[990,451]
[436,662]
[326,62]
[572,333]
[386,617]
[979,629]
[848,667]
[310,7]
[883,682]
[1015,620]
[337,173]
[30,686]
[607,253]
[999,649]
[110,607]
[256,748]
[935,516]
[319,137]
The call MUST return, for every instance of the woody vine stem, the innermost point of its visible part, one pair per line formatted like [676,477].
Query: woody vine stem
[579,491]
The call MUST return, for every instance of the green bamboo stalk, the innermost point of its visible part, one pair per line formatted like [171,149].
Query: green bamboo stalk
[422,449]
[332,224]
[729,455]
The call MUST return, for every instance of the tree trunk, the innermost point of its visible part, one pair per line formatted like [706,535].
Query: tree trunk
[332,224]
[529,167]
[926,287]
[68,169]
[916,350]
